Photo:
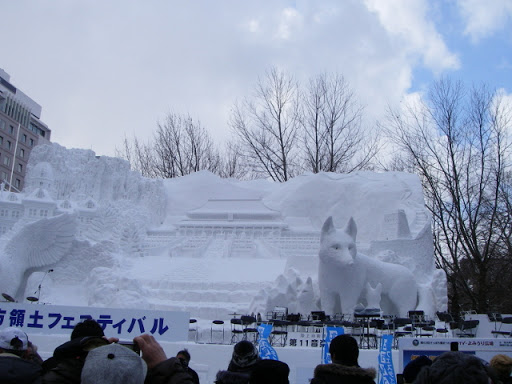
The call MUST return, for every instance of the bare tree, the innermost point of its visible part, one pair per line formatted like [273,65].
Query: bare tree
[235,163]
[458,144]
[180,146]
[140,156]
[331,121]
[266,126]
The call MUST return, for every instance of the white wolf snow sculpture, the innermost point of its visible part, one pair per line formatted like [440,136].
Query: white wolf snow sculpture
[343,275]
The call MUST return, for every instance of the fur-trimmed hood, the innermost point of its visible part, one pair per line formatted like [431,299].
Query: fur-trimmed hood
[332,373]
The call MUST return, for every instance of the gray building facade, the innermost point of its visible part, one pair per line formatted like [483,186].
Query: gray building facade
[20,130]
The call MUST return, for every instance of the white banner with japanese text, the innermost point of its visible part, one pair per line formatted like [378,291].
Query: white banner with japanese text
[120,323]
[411,348]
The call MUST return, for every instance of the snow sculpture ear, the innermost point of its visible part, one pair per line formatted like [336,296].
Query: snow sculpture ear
[327,229]
[351,229]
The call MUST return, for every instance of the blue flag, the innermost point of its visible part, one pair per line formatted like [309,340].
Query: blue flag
[330,333]
[386,369]
[267,352]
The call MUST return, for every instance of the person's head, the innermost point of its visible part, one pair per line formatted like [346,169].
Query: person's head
[113,364]
[269,372]
[245,355]
[13,340]
[414,367]
[184,357]
[454,368]
[86,328]
[344,350]
[502,364]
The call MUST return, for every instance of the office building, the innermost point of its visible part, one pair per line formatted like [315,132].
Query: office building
[20,130]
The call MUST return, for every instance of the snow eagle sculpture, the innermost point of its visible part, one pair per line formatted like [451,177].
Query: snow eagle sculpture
[31,246]
[343,275]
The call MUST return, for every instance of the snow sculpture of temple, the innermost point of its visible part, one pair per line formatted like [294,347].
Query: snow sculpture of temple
[208,245]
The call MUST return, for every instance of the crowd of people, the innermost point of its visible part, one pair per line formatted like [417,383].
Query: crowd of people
[91,358]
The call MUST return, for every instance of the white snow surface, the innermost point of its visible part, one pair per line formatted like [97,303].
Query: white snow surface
[193,243]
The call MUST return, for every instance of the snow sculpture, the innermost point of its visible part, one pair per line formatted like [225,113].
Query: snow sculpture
[373,296]
[289,288]
[209,245]
[33,245]
[343,274]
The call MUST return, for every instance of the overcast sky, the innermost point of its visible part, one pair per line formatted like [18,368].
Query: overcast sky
[103,69]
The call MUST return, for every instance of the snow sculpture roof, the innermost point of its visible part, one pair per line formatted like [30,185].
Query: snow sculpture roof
[234,209]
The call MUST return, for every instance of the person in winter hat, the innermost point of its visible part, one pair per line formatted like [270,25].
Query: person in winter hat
[456,368]
[245,356]
[113,364]
[15,368]
[269,372]
[344,368]
[68,358]
[413,368]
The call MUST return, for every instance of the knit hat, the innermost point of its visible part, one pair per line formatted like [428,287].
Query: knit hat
[502,364]
[454,367]
[245,354]
[414,367]
[113,364]
[270,372]
[345,350]
[13,339]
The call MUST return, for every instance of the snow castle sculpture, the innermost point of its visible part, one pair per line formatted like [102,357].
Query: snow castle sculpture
[208,245]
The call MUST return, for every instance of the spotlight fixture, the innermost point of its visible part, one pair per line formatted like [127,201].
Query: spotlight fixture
[8,298]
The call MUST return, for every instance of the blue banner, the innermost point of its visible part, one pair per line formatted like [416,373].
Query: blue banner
[330,333]
[386,369]
[267,352]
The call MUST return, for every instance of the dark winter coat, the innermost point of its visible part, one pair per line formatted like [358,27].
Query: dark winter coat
[343,374]
[15,370]
[68,361]
[227,377]
[169,371]
[193,374]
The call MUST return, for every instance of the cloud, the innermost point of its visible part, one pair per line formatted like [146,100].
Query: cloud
[408,21]
[483,17]
[103,70]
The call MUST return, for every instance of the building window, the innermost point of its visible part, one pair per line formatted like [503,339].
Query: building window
[43,212]
[24,138]
[22,152]
[1,140]
[4,176]
[20,168]
[15,214]
[3,212]
[7,160]
[2,124]
[9,144]
[11,129]
[17,184]
[31,142]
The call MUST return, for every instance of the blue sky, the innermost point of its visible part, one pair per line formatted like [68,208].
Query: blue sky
[483,49]
[103,70]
